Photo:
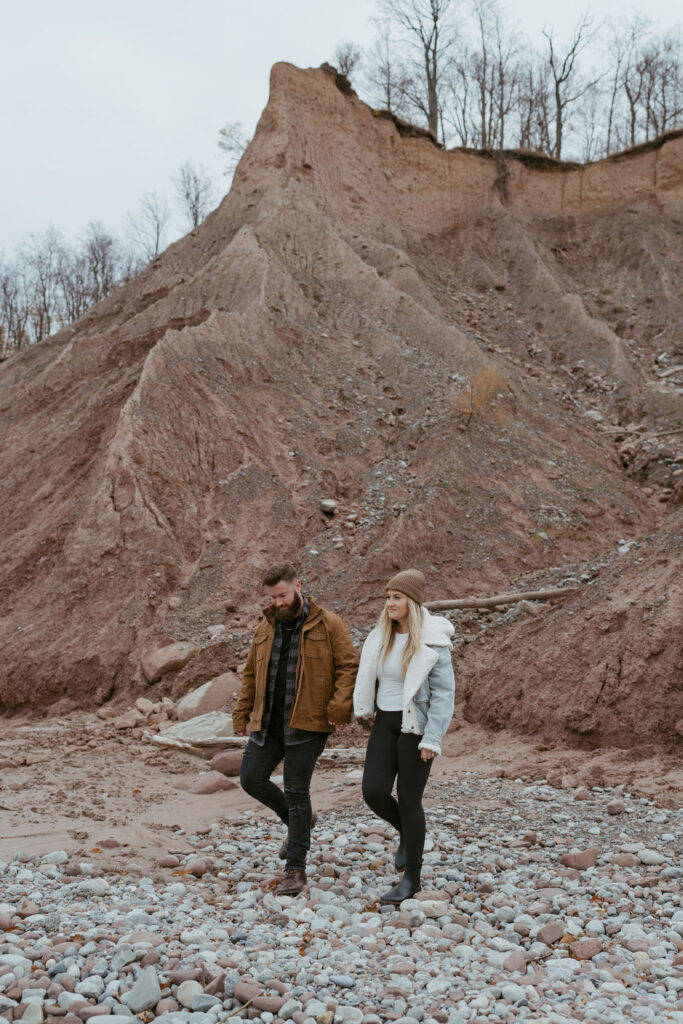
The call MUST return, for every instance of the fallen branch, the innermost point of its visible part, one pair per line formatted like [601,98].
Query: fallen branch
[670,373]
[490,602]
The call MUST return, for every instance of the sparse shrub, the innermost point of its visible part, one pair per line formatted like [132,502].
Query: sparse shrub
[480,391]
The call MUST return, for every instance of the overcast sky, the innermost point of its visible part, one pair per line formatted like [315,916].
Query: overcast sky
[103,99]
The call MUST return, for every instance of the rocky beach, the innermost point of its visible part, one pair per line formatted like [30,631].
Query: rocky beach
[546,896]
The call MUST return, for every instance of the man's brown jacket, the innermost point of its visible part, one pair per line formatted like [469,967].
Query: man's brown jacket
[325,674]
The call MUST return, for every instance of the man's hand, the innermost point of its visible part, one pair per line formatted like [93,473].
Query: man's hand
[428,755]
[366,721]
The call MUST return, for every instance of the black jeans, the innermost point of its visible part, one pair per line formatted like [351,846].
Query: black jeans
[293,806]
[393,753]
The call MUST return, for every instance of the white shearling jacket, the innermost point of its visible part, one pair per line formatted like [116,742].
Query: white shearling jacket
[428,687]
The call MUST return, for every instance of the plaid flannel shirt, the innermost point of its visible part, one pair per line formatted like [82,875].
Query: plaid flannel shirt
[292,736]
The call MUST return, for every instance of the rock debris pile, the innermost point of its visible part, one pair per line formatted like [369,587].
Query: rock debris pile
[536,906]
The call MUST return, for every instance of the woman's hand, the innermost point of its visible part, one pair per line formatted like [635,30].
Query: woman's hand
[366,721]
[428,755]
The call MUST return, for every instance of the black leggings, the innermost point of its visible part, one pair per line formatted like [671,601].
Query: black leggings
[393,753]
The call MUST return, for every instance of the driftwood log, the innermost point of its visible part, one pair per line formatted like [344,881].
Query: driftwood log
[491,602]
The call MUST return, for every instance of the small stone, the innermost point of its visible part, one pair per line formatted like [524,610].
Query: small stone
[328,506]
[145,993]
[512,993]
[211,782]
[169,861]
[196,866]
[55,857]
[581,793]
[33,1014]
[515,961]
[144,706]
[642,962]
[586,949]
[550,933]
[580,859]
[624,860]
[187,991]
[651,857]
[166,1005]
[342,980]
[615,807]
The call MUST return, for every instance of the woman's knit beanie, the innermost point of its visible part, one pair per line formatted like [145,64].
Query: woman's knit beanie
[410,582]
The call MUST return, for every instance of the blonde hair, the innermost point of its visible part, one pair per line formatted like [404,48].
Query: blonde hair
[387,629]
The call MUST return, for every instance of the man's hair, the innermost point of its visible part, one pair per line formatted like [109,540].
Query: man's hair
[281,571]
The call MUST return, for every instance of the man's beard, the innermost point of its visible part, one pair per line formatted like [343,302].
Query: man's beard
[289,612]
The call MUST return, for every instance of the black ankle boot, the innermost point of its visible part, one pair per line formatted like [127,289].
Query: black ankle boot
[406,888]
[400,856]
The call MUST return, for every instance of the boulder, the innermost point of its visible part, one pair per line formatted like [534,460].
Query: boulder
[204,730]
[157,663]
[211,782]
[212,696]
[227,762]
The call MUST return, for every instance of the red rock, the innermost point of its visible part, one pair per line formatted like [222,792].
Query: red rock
[211,696]
[214,987]
[181,974]
[271,1004]
[196,866]
[227,762]
[514,961]
[586,949]
[100,1010]
[169,861]
[550,933]
[615,807]
[581,859]
[211,782]
[166,1005]
[246,990]
[625,860]
[27,909]
[157,663]
[109,843]
[152,957]
[144,936]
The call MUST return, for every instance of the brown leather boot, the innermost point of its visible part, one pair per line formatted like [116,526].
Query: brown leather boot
[292,884]
[282,852]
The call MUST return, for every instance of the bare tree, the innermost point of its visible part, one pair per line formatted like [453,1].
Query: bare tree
[621,49]
[567,84]
[41,258]
[102,258]
[148,226]
[534,105]
[347,57]
[458,101]
[233,140]
[74,282]
[195,192]
[429,34]
[15,309]
[495,68]
[386,76]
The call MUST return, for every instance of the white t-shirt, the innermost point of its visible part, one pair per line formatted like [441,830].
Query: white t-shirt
[390,676]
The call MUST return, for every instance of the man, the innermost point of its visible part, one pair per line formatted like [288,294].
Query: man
[297,686]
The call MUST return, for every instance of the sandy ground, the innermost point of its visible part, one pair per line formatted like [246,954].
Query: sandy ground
[75,784]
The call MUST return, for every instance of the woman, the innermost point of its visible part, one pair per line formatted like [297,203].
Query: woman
[405,674]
